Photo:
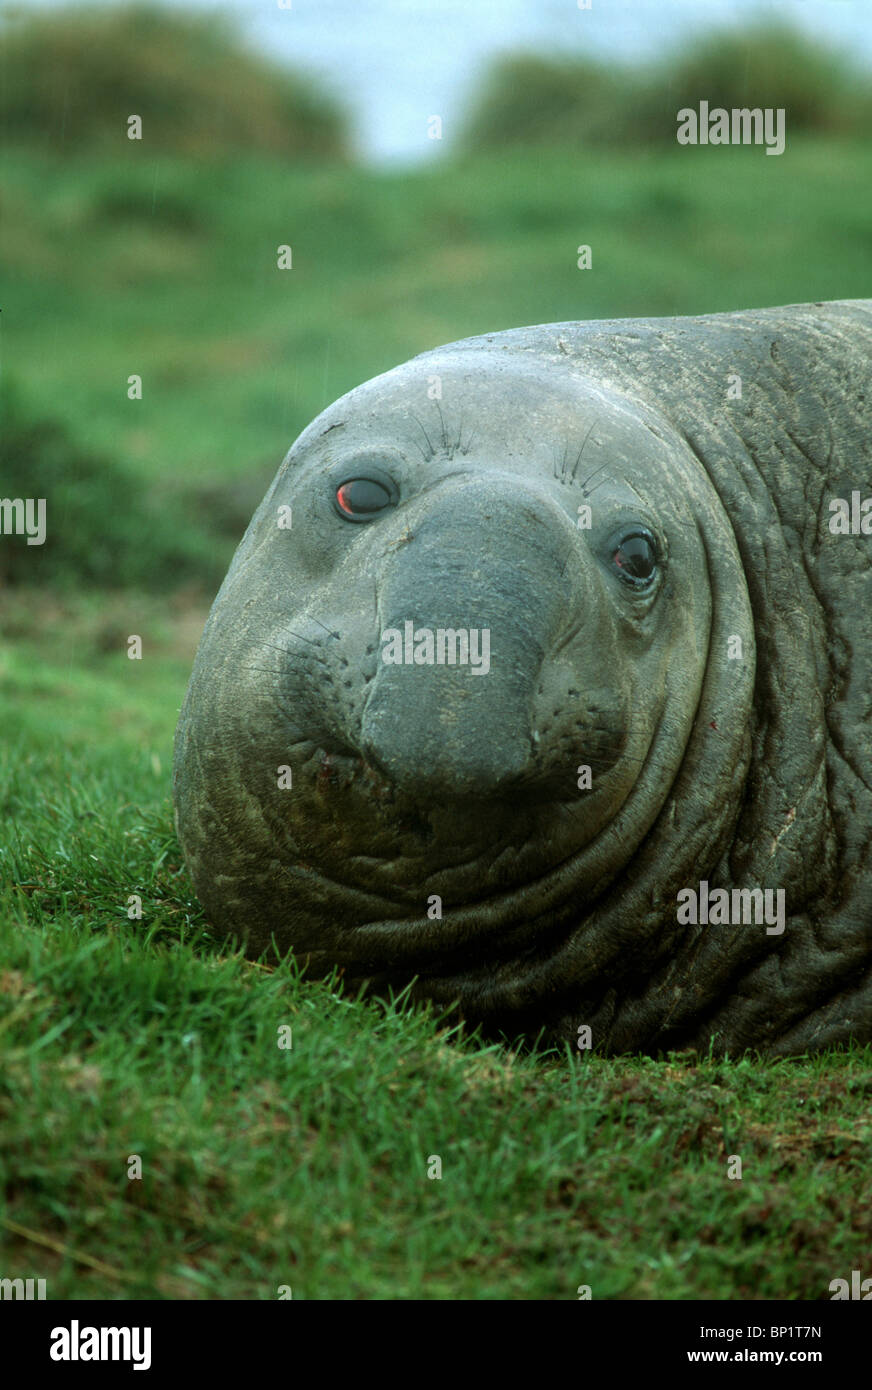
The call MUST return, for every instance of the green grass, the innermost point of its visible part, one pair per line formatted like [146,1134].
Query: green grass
[307,1167]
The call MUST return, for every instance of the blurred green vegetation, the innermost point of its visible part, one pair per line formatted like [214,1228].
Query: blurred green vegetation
[143,258]
[529,99]
[74,76]
[105,528]
[168,270]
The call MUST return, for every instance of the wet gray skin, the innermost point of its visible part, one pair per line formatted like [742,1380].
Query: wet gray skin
[695,637]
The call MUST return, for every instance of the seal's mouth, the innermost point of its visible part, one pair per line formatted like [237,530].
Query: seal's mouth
[391,857]
[404,847]
[341,771]
[354,828]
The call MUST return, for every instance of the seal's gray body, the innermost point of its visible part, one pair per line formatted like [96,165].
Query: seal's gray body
[439,820]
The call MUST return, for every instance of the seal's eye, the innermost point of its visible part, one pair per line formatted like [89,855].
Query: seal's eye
[636,558]
[365,498]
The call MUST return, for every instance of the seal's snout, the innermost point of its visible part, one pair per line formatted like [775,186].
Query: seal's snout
[468,609]
[487,771]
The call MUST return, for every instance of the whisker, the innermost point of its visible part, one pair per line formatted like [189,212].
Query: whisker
[581,451]
[300,638]
[584,491]
[442,423]
[427,437]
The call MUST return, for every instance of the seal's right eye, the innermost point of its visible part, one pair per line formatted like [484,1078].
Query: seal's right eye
[365,498]
[635,558]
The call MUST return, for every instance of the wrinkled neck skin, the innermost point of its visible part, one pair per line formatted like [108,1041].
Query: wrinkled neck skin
[417,783]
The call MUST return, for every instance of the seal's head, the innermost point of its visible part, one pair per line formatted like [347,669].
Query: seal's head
[457,680]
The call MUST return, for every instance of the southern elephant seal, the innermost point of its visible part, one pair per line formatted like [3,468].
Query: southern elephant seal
[543,673]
